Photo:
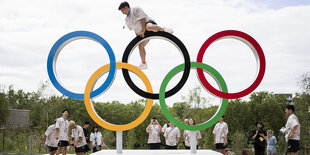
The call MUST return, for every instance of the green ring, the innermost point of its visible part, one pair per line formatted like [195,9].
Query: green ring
[215,117]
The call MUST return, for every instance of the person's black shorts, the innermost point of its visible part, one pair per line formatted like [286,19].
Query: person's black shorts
[292,145]
[95,149]
[171,147]
[188,147]
[63,143]
[220,146]
[151,21]
[153,146]
[81,149]
[52,149]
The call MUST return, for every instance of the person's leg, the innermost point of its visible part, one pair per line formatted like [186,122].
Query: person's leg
[142,50]
[53,150]
[64,150]
[222,151]
[58,150]
[153,27]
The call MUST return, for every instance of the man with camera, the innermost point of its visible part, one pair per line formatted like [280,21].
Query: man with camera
[154,130]
[259,136]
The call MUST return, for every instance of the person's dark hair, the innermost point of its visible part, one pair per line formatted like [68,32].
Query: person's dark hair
[261,123]
[290,107]
[86,122]
[223,116]
[94,129]
[65,110]
[122,5]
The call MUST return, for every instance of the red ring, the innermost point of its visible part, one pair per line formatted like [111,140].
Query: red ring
[261,57]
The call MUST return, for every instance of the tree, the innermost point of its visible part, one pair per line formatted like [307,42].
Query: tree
[4,108]
[304,82]
[195,99]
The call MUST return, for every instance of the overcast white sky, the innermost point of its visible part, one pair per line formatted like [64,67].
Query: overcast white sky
[29,29]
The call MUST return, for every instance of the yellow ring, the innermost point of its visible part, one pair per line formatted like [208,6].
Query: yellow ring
[91,110]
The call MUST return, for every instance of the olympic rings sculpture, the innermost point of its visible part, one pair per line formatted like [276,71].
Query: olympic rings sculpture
[163,94]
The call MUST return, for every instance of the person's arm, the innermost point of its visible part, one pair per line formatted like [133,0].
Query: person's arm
[56,133]
[44,139]
[178,136]
[225,142]
[254,136]
[275,140]
[76,142]
[225,132]
[69,138]
[148,127]
[214,139]
[143,22]
[102,143]
[160,128]
[264,135]
[293,131]
[86,137]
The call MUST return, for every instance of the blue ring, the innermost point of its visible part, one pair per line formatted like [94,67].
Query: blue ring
[51,61]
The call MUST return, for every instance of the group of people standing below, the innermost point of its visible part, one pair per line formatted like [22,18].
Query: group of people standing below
[57,137]
[171,135]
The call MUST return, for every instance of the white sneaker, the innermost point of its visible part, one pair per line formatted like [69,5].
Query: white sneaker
[142,66]
[169,30]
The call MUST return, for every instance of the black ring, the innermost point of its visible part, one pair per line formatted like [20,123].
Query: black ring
[185,75]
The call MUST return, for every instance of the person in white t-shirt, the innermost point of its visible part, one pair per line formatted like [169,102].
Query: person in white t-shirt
[172,137]
[96,139]
[292,130]
[62,133]
[154,130]
[220,132]
[49,139]
[187,135]
[79,141]
[137,20]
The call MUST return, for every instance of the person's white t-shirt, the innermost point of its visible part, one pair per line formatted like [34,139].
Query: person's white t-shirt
[133,20]
[63,126]
[171,135]
[292,121]
[50,134]
[154,134]
[78,132]
[220,130]
[95,137]
[187,137]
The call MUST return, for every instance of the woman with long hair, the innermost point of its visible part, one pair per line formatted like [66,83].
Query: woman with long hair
[96,139]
